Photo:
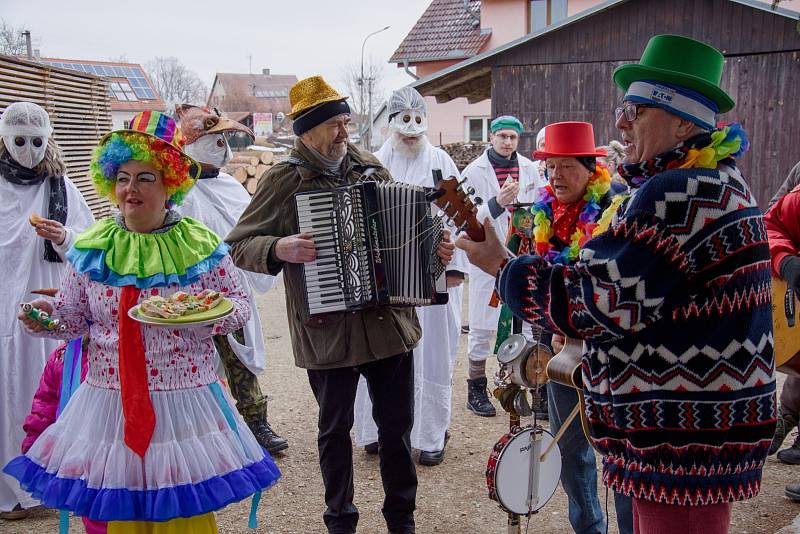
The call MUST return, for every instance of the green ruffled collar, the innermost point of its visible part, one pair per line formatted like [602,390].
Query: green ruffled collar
[113,255]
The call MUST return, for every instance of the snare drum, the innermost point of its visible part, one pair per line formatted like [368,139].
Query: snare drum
[526,361]
[516,477]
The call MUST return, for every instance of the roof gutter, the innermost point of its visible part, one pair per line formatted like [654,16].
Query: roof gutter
[408,71]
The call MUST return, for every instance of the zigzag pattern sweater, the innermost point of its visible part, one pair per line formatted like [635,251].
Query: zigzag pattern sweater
[673,303]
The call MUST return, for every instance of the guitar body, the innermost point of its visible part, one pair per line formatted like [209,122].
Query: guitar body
[786,329]
[565,369]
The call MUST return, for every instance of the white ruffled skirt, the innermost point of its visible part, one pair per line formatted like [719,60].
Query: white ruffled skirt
[202,457]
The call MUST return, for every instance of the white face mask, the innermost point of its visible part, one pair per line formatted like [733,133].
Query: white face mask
[27,150]
[410,123]
[211,149]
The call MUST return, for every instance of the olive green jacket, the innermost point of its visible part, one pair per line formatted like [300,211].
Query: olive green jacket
[331,340]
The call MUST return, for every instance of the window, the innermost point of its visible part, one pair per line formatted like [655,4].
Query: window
[270,93]
[477,129]
[122,91]
[547,12]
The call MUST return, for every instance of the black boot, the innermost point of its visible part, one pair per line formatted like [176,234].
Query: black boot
[267,437]
[477,398]
[792,454]
[792,491]
[786,422]
[434,457]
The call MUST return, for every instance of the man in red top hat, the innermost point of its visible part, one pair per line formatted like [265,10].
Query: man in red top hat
[565,214]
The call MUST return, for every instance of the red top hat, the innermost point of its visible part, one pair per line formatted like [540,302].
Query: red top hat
[568,139]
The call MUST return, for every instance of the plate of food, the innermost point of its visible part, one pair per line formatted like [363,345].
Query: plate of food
[182,309]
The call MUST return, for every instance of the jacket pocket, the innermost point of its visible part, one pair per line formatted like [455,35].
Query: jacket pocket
[323,338]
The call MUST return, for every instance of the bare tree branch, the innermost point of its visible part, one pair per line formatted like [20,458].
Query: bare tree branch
[12,42]
[175,83]
[350,78]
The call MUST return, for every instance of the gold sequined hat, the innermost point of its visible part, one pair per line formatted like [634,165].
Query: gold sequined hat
[313,102]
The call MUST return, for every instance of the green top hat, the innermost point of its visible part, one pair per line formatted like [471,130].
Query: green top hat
[680,61]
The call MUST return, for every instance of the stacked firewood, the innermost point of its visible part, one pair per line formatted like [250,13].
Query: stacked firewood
[464,153]
[249,166]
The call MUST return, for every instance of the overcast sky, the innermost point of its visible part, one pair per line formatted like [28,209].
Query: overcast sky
[301,37]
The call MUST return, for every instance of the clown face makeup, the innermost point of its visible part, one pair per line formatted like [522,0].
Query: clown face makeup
[27,150]
[410,123]
[211,149]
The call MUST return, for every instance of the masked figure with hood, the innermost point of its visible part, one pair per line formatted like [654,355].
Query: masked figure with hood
[218,200]
[32,182]
[410,158]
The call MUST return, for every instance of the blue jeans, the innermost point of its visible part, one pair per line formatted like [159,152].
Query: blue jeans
[579,470]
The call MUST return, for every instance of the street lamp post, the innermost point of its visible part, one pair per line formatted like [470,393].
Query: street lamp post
[361,85]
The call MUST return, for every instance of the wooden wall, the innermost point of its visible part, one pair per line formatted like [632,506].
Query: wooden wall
[567,75]
[79,108]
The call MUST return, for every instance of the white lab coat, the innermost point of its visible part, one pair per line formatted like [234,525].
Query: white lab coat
[23,268]
[481,176]
[218,203]
[435,355]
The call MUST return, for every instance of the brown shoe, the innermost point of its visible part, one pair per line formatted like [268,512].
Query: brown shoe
[17,513]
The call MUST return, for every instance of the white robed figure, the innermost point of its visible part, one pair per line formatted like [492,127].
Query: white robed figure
[31,182]
[218,200]
[410,158]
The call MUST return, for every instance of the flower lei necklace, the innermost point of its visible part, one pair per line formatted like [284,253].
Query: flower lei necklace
[703,151]
[542,209]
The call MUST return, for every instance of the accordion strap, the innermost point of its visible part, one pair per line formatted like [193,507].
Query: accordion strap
[369,170]
[291,160]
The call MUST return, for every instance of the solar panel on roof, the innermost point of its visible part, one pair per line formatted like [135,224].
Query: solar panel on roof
[144,93]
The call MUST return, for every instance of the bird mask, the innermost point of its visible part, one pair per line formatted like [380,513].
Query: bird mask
[204,130]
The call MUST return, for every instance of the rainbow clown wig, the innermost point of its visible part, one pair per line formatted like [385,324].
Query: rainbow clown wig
[154,138]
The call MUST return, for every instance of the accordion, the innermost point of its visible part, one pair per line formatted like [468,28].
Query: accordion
[376,245]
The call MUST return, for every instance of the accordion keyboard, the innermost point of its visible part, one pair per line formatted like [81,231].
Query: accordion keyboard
[323,277]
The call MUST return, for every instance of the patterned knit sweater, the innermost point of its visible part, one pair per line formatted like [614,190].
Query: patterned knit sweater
[673,303]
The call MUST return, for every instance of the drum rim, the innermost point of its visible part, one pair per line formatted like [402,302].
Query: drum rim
[514,337]
[515,435]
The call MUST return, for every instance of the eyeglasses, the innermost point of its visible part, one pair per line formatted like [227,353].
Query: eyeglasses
[630,110]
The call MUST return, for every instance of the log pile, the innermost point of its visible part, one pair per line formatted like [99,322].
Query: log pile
[464,153]
[249,166]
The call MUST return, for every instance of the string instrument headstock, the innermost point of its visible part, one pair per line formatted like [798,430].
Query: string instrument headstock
[456,202]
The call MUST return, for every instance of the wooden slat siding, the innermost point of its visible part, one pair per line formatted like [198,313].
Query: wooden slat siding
[79,109]
[762,85]
[627,28]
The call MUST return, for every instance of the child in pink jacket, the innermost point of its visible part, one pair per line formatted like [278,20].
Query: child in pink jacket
[44,408]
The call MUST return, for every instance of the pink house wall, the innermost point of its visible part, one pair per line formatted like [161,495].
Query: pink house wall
[508,20]
[447,122]
[576,6]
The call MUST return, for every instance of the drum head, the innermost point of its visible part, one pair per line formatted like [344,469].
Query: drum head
[511,348]
[536,366]
[513,472]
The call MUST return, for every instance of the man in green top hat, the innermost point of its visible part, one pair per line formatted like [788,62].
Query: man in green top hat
[671,301]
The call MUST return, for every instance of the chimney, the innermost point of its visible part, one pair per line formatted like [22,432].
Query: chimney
[27,35]
[265,71]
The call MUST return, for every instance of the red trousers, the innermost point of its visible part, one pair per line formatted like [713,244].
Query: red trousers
[657,518]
